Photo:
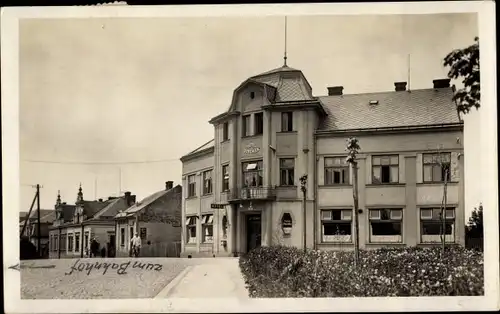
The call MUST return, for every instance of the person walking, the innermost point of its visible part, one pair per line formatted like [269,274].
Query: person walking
[135,244]
[94,248]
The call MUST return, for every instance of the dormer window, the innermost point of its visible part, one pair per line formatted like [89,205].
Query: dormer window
[286,121]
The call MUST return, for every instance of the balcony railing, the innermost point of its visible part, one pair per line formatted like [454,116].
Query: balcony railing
[252,193]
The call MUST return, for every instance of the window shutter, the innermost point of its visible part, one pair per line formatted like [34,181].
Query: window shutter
[347,215]
[375,214]
[425,214]
[326,215]
[396,214]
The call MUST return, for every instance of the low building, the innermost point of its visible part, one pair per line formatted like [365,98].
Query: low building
[76,225]
[242,188]
[30,226]
[157,219]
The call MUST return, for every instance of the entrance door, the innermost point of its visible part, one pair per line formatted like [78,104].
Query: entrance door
[253,224]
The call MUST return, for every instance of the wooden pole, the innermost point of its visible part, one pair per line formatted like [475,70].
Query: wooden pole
[29,214]
[38,211]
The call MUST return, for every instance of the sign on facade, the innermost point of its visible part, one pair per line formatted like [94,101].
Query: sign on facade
[217,206]
[251,149]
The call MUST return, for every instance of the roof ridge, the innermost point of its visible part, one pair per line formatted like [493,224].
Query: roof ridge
[386,92]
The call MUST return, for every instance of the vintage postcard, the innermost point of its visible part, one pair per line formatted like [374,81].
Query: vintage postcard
[250,158]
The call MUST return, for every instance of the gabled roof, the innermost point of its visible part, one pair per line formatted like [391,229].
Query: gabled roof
[112,208]
[90,208]
[67,212]
[43,213]
[147,201]
[205,147]
[394,109]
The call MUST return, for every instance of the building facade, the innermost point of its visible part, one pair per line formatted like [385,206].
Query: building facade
[242,188]
[30,227]
[75,225]
[157,220]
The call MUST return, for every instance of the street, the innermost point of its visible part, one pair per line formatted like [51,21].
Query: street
[121,278]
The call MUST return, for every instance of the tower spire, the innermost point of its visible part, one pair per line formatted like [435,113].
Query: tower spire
[285,57]
[58,201]
[80,194]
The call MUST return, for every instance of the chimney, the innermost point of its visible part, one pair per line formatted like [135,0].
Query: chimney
[128,198]
[64,203]
[441,83]
[100,200]
[335,90]
[400,86]
[169,185]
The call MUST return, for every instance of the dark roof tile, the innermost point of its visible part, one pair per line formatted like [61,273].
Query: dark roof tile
[394,109]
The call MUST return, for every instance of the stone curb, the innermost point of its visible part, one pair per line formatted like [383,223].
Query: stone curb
[166,291]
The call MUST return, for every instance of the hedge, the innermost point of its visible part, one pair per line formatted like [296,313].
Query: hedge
[279,271]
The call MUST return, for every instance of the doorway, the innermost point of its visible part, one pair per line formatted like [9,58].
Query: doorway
[254,231]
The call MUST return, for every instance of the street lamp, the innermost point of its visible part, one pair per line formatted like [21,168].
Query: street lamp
[303,188]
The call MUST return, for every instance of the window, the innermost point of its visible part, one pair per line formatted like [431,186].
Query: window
[192,185]
[259,123]
[122,236]
[431,225]
[386,225]
[245,125]
[286,121]
[144,233]
[252,173]
[70,243]
[336,170]
[86,240]
[207,182]
[385,169]
[225,131]
[77,242]
[287,171]
[436,167]
[191,229]
[225,178]
[252,95]
[336,225]
[56,243]
[207,228]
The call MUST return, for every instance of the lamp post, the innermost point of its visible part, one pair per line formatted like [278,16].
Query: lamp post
[303,188]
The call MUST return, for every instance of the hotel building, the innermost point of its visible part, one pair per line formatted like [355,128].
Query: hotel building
[242,189]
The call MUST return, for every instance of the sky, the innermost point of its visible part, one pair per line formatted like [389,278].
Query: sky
[120,90]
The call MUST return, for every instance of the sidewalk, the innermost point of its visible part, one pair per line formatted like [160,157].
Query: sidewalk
[218,278]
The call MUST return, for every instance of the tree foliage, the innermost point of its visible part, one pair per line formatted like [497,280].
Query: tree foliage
[464,63]
[475,225]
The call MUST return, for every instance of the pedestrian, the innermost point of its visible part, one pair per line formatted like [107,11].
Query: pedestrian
[94,248]
[135,244]
[103,252]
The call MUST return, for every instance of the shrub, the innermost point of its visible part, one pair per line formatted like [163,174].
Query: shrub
[279,271]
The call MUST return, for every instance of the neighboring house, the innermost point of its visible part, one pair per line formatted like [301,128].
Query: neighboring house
[77,224]
[31,230]
[243,189]
[157,220]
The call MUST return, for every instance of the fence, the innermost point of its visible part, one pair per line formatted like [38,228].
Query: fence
[161,249]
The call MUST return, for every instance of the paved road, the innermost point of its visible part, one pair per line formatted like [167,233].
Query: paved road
[118,278]
[99,278]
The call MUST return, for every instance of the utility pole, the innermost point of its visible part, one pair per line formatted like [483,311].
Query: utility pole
[38,213]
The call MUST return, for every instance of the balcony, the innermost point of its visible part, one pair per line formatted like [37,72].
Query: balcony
[252,193]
